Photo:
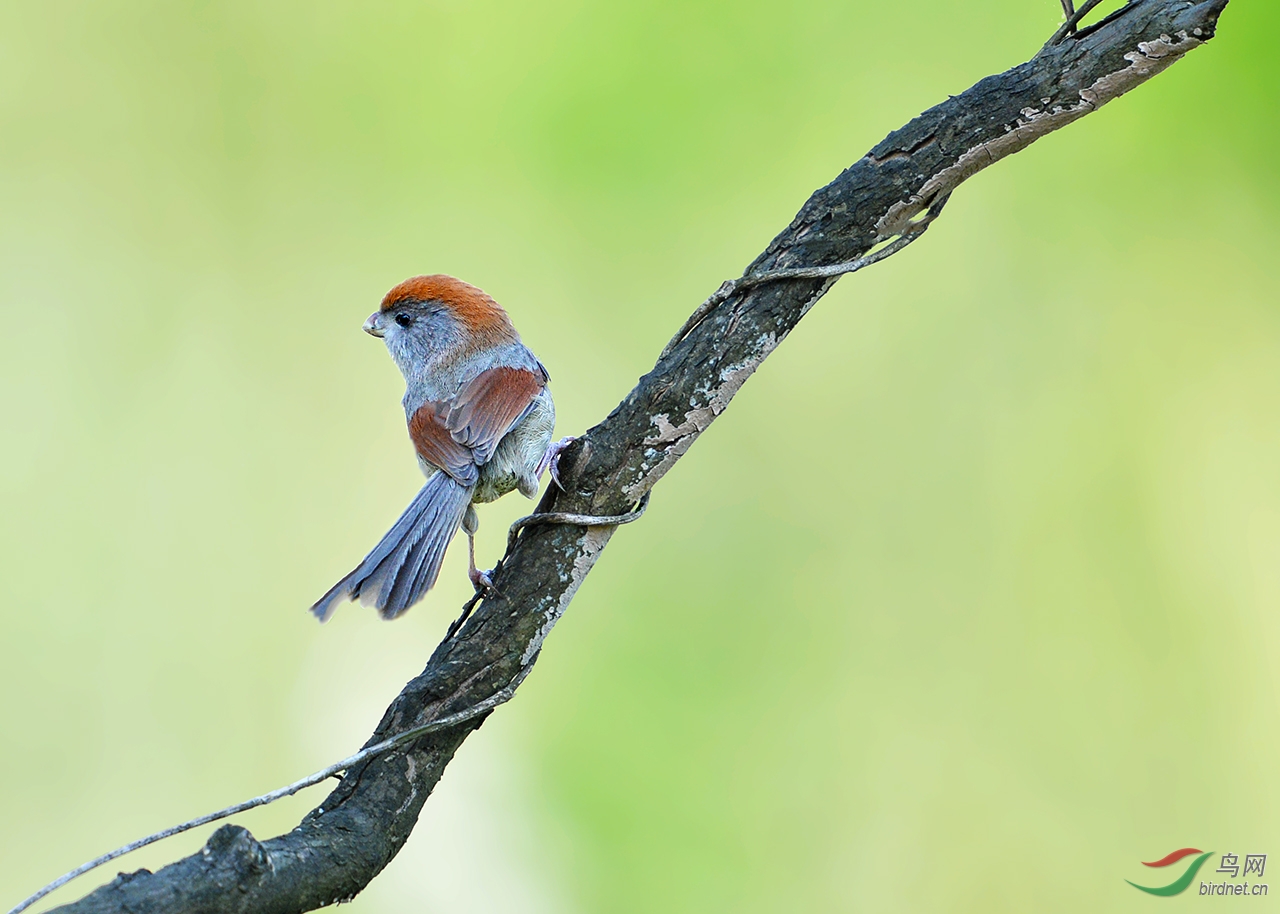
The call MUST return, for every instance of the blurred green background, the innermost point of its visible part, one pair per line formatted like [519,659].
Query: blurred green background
[969,603]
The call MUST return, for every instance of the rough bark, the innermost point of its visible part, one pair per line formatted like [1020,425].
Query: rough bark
[890,192]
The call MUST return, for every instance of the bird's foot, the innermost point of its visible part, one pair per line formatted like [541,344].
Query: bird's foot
[482,581]
[551,459]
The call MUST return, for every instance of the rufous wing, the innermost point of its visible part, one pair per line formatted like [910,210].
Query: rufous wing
[429,432]
[461,434]
[490,406]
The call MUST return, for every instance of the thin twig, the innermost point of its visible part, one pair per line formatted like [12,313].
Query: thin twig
[549,517]
[730,286]
[467,607]
[581,520]
[1073,20]
[497,698]
[1105,20]
[726,289]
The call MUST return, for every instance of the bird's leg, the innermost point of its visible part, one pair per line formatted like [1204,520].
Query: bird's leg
[480,580]
[551,459]
[1069,8]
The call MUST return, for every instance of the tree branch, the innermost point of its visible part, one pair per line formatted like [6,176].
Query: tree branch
[886,197]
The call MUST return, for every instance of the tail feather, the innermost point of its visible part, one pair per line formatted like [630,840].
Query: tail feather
[412,569]
[406,561]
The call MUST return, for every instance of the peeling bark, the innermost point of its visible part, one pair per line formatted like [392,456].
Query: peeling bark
[343,843]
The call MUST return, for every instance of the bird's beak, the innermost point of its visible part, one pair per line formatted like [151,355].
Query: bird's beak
[373,326]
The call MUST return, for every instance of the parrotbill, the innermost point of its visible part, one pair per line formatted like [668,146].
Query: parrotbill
[480,418]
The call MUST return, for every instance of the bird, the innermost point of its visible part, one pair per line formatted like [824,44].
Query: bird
[480,418]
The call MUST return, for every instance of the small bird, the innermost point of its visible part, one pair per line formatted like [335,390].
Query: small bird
[480,418]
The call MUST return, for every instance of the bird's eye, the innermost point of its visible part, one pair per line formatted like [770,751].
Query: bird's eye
[403,319]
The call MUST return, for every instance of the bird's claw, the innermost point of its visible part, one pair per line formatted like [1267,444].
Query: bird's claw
[551,459]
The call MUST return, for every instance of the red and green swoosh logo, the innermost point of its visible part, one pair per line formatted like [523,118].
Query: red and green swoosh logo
[1182,881]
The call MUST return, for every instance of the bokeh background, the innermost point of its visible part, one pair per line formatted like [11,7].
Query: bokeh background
[969,603]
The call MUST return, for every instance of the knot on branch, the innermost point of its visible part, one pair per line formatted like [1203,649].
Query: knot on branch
[126,878]
[233,851]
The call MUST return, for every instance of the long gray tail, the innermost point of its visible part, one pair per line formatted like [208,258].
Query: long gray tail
[405,563]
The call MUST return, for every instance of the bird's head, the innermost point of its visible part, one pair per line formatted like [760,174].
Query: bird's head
[434,320]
